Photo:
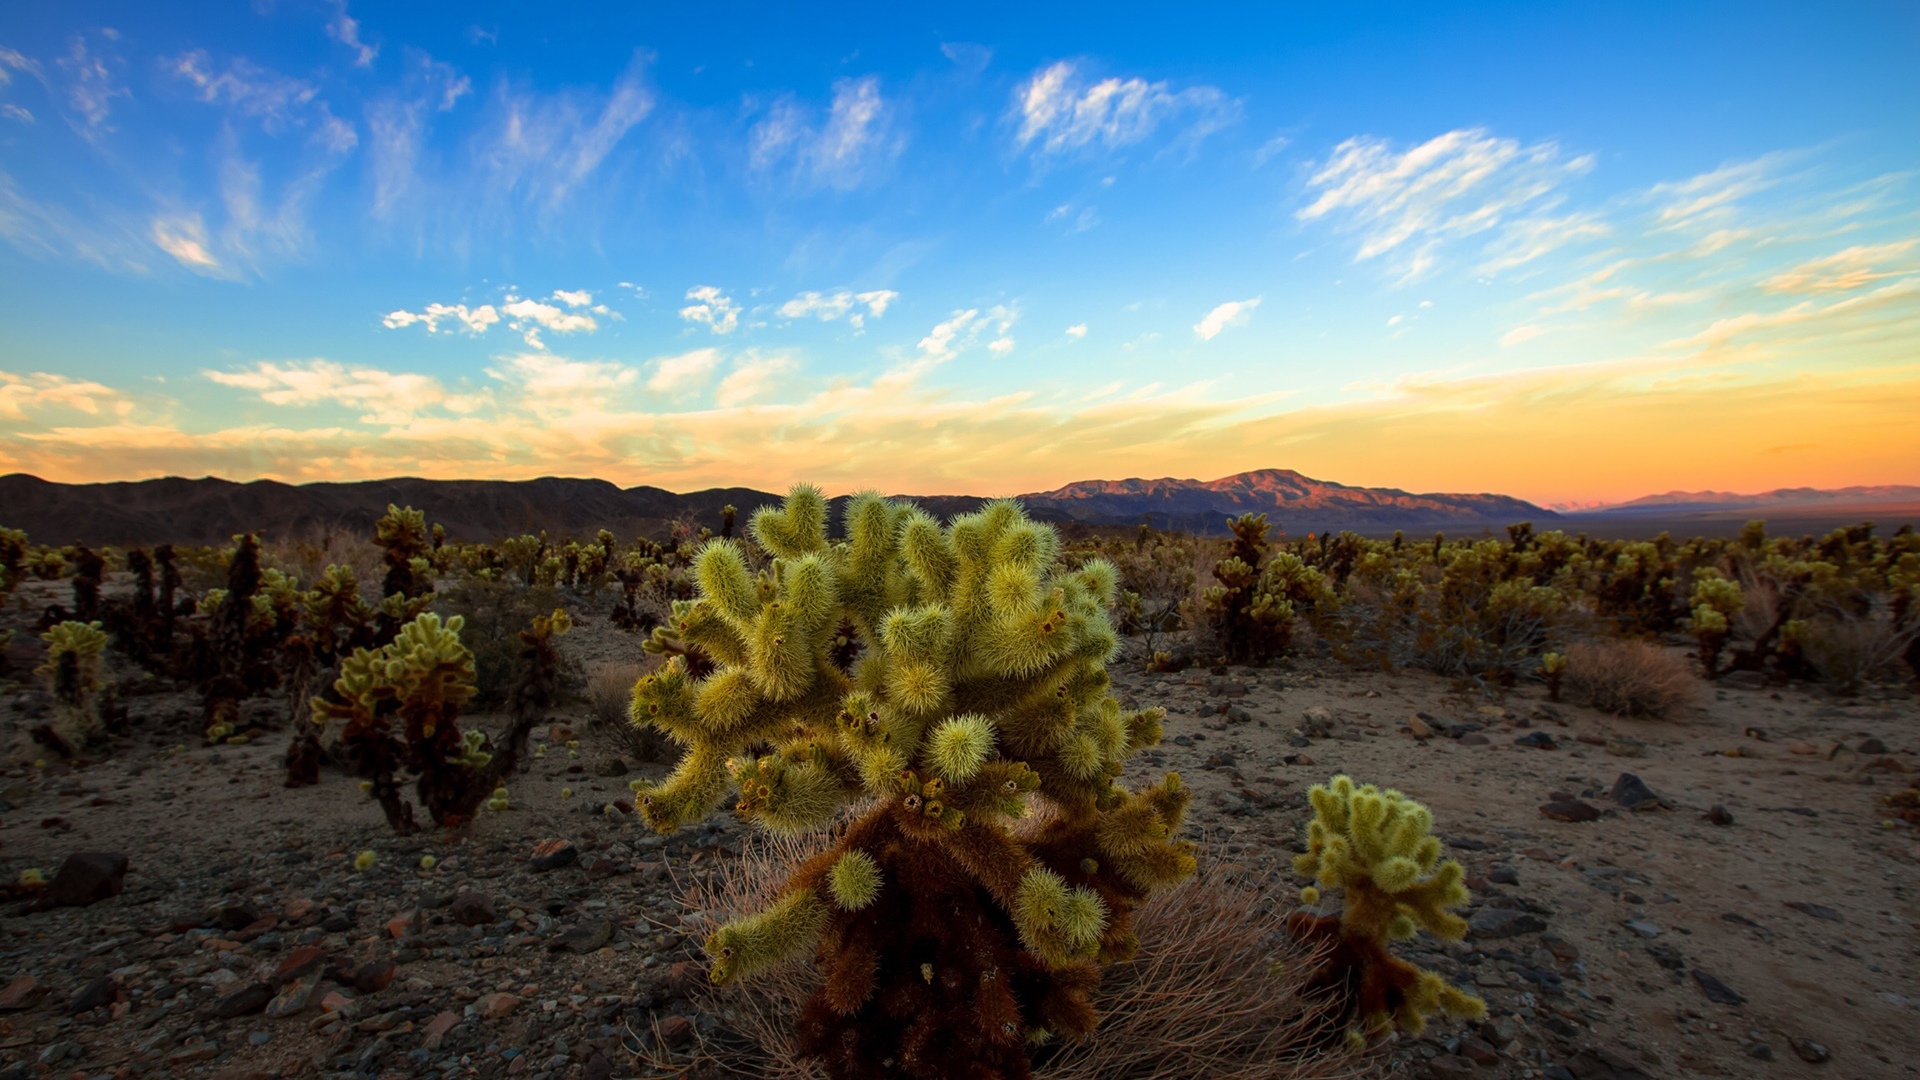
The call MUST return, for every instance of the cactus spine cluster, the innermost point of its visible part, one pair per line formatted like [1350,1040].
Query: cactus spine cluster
[72,675]
[965,913]
[1377,848]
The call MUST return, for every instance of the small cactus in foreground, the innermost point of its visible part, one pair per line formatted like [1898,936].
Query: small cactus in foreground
[1377,847]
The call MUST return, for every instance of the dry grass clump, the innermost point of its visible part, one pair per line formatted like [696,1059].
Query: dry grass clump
[1216,990]
[1849,648]
[1629,678]
[609,691]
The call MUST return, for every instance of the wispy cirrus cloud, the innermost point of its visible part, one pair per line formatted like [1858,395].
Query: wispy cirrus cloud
[1407,204]
[345,29]
[753,376]
[91,86]
[683,373]
[855,143]
[388,397]
[1060,111]
[38,392]
[1847,269]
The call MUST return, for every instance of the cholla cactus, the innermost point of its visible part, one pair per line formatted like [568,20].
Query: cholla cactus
[1553,666]
[964,914]
[1376,847]
[1715,601]
[71,673]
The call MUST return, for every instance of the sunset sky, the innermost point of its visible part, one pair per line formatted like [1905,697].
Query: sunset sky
[1573,253]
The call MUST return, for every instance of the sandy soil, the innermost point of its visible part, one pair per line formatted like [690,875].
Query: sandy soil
[1590,934]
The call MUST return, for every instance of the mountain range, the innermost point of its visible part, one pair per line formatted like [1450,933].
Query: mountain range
[210,510]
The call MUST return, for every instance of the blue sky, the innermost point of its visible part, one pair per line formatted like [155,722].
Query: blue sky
[1566,252]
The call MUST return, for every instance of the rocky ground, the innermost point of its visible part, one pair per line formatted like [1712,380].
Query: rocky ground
[1628,929]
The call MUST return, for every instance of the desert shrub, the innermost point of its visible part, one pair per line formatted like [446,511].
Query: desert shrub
[1628,678]
[609,691]
[309,555]
[493,612]
[1848,648]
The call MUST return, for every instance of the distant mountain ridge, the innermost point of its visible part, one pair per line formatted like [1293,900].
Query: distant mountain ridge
[210,510]
[1779,499]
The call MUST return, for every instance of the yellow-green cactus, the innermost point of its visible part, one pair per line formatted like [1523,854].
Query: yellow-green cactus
[955,676]
[1377,847]
[72,674]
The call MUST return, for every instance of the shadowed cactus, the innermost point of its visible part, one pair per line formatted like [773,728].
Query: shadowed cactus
[996,860]
[1377,848]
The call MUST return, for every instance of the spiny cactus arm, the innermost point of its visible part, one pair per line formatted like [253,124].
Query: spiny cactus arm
[788,927]
[1059,923]
[958,747]
[690,792]
[1136,836]
[798,528]
[790,792]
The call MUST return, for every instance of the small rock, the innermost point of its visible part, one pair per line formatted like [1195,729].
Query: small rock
[437,1028]
[1449,1066]
[1667,956]
[1503,875]
[1869,747]
[584,938]
[1572,810]
[1633,793]
[612,768]
[1220,761]
[1760,1051]
[1495,923]
[1418,728]
[1718,815]
[1539,740]
[497,1005]
[236,916]
[1642,927]
[399,925]
[552,854]
[100,991]
[1474,738]
[1620,746]
[1716,990]
[1563,950]
[294,997]
[1806,749]
[259,1038]
[673,1030]
[250,998]
[1467,843]
[1818,911]
[373,976]
[471,908]
[21,993]
[1479,1051]
[1809,1051]
[685,978]
[85,877]
[297,963]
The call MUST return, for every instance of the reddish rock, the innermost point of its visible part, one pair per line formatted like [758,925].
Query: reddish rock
[21,993]
[398,926]
[334,1002]
[673,1030]
[294,998]
[85,877]
[298,963]
[1572,810]
[299,908]
[685,978]
[1478,1051]
[373,977]
[496,1006]
[553,853]
[250,998]
[257,927]
[436,1030]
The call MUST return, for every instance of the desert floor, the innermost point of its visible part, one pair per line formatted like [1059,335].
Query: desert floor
[1600,946]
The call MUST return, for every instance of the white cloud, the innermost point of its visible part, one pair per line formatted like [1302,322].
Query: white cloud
[477,320]
[711,307]
[1458,184]
[1231,313]
[389,397]
[1521,333]
[1061,112]
[830,306]
[753,376]
[946,339]
[39,390]
[1000,346]
[345,29]
[1711,197]
[1523,241]
[90,86]
[185,238]
[529,317]
[1847,269]
[1077,331]
[855,143]
[573,297]
[687,371]
[16,112]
